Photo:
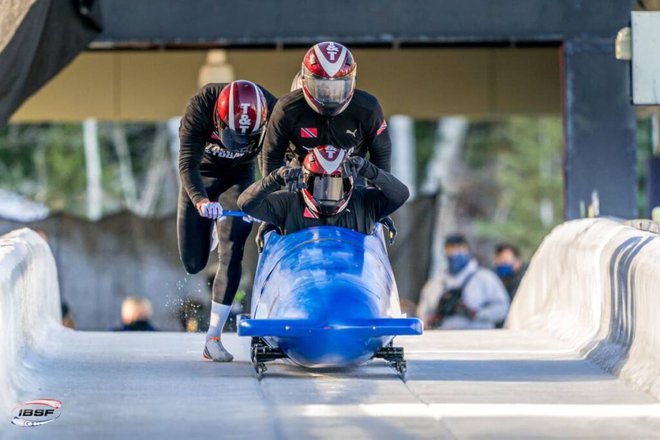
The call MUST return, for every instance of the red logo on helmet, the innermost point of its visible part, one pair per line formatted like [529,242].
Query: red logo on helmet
[307,213]
[329,60]
[242,107]
[326,159]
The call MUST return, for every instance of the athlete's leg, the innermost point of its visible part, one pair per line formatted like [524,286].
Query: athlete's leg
[232,234]
[193,234]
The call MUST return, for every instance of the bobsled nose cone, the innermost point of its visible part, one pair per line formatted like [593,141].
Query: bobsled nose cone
[332,309]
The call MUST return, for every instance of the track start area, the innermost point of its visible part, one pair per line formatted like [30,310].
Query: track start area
[479,384]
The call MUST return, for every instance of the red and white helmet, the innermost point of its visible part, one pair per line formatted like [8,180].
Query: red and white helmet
[328,77]
[328,188]
[241,112]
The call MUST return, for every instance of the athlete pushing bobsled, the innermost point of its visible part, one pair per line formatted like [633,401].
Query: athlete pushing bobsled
[220,137]
[326,108]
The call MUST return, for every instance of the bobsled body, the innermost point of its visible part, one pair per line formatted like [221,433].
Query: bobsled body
[326,296]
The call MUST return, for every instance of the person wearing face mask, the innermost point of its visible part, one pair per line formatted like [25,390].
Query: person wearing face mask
[509,267]
[466,296]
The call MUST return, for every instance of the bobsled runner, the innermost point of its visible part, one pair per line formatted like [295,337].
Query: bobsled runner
[325,297]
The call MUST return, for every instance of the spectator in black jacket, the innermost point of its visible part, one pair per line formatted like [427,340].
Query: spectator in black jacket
[509,266]
[220,137]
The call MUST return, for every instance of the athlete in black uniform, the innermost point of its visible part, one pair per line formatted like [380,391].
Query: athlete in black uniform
[220,136]
[327,110]
[329,196]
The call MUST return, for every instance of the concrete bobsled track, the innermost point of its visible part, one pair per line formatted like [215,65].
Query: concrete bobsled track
[579,360]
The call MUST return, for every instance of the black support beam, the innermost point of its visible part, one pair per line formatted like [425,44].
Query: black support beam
[599,128]
[171,23]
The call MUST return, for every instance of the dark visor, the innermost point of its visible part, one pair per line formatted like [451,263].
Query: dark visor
[328,188]
[239,142]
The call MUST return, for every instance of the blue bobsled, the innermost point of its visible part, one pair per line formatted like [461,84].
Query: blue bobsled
[326,297]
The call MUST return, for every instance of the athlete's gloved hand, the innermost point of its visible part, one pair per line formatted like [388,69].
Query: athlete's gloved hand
[264,229]
[354,166]
[389,224]
[208,209]
[292,178]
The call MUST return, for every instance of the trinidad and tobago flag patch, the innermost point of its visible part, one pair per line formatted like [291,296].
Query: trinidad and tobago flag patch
[382,128]
[307,133]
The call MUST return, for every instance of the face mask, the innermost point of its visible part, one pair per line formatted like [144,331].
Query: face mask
[504,270]
[457,262]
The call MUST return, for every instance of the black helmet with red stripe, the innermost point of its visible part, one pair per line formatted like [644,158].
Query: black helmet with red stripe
[328,77]
[240,115]
[328,188]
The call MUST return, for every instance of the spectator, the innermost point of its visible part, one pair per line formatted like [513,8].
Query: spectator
[67,316]
[135,315]
[466,296]
[509,267]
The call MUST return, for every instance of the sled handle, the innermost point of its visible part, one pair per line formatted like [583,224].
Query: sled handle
[231,213]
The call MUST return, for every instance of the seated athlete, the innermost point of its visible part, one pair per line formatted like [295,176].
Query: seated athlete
[328,196]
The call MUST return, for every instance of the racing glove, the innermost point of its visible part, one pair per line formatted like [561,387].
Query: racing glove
[292,178]
[208,209]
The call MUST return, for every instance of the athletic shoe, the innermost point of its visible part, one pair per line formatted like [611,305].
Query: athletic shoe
[215,351]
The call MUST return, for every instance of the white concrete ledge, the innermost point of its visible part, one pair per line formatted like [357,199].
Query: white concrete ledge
[595,283]
[30,311]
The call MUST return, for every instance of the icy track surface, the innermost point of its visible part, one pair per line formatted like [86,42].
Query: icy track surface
[480,384]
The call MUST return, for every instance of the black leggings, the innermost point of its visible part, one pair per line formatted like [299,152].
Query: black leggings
[194,232]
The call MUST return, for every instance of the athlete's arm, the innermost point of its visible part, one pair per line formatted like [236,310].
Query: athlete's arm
[260,201]
[276,141]
[389,193]
[196,124]
[378,140]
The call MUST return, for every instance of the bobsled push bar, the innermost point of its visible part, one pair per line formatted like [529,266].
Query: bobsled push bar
[302,327]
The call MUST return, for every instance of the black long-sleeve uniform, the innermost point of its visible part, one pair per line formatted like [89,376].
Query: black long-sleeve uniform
[361,126]
[285,209]
[210,171]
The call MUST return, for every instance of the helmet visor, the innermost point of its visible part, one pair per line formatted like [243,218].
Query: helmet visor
[328,191]
[330,91]
[239,143]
